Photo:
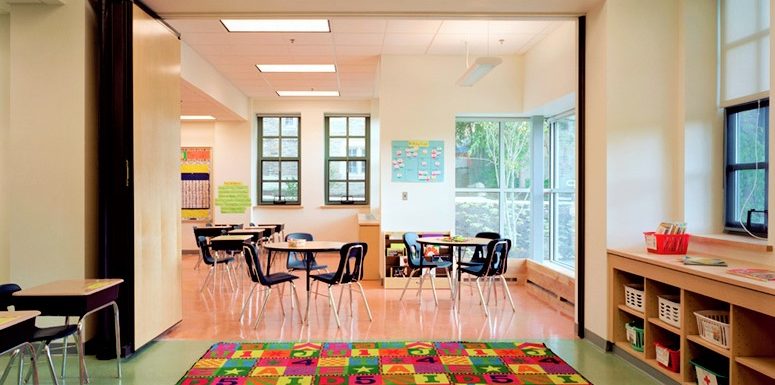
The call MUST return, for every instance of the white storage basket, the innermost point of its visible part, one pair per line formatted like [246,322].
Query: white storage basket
[633,296]
[713,326]
[670,309]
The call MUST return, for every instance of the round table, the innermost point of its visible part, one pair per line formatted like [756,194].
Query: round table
[466,242]
[308,247]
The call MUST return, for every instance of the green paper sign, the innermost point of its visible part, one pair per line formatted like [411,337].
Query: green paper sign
[233,198]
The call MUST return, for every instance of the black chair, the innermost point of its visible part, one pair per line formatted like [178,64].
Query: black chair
[43,336]
[417,262]
[267,281]
[298,261]
[479,255]
[349,272]
[213,262]
[494,266]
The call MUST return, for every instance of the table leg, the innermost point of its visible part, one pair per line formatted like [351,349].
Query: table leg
[306,264]
[117,331]
[459,280]
[64,349]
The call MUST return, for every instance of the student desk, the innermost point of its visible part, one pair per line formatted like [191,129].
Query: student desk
[74,298]
[16,329]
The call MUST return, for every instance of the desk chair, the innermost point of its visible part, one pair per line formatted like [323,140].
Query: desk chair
[267,281]
[349,271]
[213,262]
[43,336]
[494,266]
[298,261]
[417,262]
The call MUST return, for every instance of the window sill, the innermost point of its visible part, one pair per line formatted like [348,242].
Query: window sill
[284,207]
[364,206]
[732,241]
[555,267]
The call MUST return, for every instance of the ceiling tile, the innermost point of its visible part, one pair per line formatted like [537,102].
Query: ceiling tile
[404,50]
[406,39]
[357,50]
[463,26]
[517,26]
[412,26]
[358,25]
[359,38]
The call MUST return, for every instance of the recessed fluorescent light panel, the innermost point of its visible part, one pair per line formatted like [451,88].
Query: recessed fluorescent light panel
[276,25]
[197,117]
[296,67]
[308,93]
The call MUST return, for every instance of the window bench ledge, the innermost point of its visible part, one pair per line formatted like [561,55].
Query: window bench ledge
[732,241]
[272,207]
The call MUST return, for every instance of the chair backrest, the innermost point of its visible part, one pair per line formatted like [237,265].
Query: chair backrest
[294,256]
[204,249]
[6,295]
[253,266]
[413,250]
[479,250]
[496,260]
[351,258]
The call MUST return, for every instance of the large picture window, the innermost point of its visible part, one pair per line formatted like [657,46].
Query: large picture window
[347,160]
[279,163]
[747,132]
[560,190]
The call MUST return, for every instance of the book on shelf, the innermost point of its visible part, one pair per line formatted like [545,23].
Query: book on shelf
[671,228]
[757,274]
[702,261]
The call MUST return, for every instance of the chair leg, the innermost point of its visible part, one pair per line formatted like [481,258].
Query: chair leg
[341,292]
[333,306]
[452,289]
[365,302]
[50,364]
[350,296]
[64,350]
[16,353]
[38,352]
[508,293]
[481,298]
[207,278]
[263,306]
[298,304]
[247,300]
[432,278]
[487,288]
[280,294]
[78,336]
[422,280]
[409,279]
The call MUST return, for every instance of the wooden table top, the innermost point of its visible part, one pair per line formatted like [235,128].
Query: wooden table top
[247,231]
[469,241]
[11,318]
[308,246]
[234,237]
[69,287]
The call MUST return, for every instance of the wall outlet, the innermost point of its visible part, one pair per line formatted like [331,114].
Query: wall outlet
[405,196]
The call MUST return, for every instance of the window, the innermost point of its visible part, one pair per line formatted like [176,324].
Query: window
[492,180]
[494,166]
[347,160]
[747,131]
[279,146]
[560,190]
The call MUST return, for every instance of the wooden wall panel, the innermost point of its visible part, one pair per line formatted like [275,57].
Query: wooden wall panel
[156,60]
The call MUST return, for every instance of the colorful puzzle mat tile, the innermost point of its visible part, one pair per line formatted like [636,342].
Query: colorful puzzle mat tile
[381,363]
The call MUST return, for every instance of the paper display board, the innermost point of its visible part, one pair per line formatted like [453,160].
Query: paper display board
[195,183]
[417,161]
[233,198]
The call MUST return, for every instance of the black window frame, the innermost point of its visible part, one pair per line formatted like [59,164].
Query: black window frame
[279,200]
[731,168]
[347,158]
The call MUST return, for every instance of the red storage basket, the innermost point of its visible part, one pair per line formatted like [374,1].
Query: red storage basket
[666,243]
[668,358]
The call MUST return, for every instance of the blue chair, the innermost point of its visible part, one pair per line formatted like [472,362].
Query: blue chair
[213,262]
[349,272]
[494,267]
[417,262]
[43,336]
[266,281]
[479,256]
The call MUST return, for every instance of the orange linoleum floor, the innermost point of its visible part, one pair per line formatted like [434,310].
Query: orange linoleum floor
[214,314]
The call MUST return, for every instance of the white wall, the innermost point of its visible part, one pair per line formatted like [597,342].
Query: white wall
[325,222]
[418,99]
[201,74]
[5,106]
[52,127]
[550,70]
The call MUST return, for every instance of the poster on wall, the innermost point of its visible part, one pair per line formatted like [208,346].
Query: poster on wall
[195,183]
[417,161]
[233,198]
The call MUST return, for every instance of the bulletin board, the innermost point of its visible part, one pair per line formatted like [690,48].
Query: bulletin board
[417,161]
[195,167]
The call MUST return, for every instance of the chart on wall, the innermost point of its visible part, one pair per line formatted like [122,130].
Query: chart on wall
[417,161]
[195,182]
